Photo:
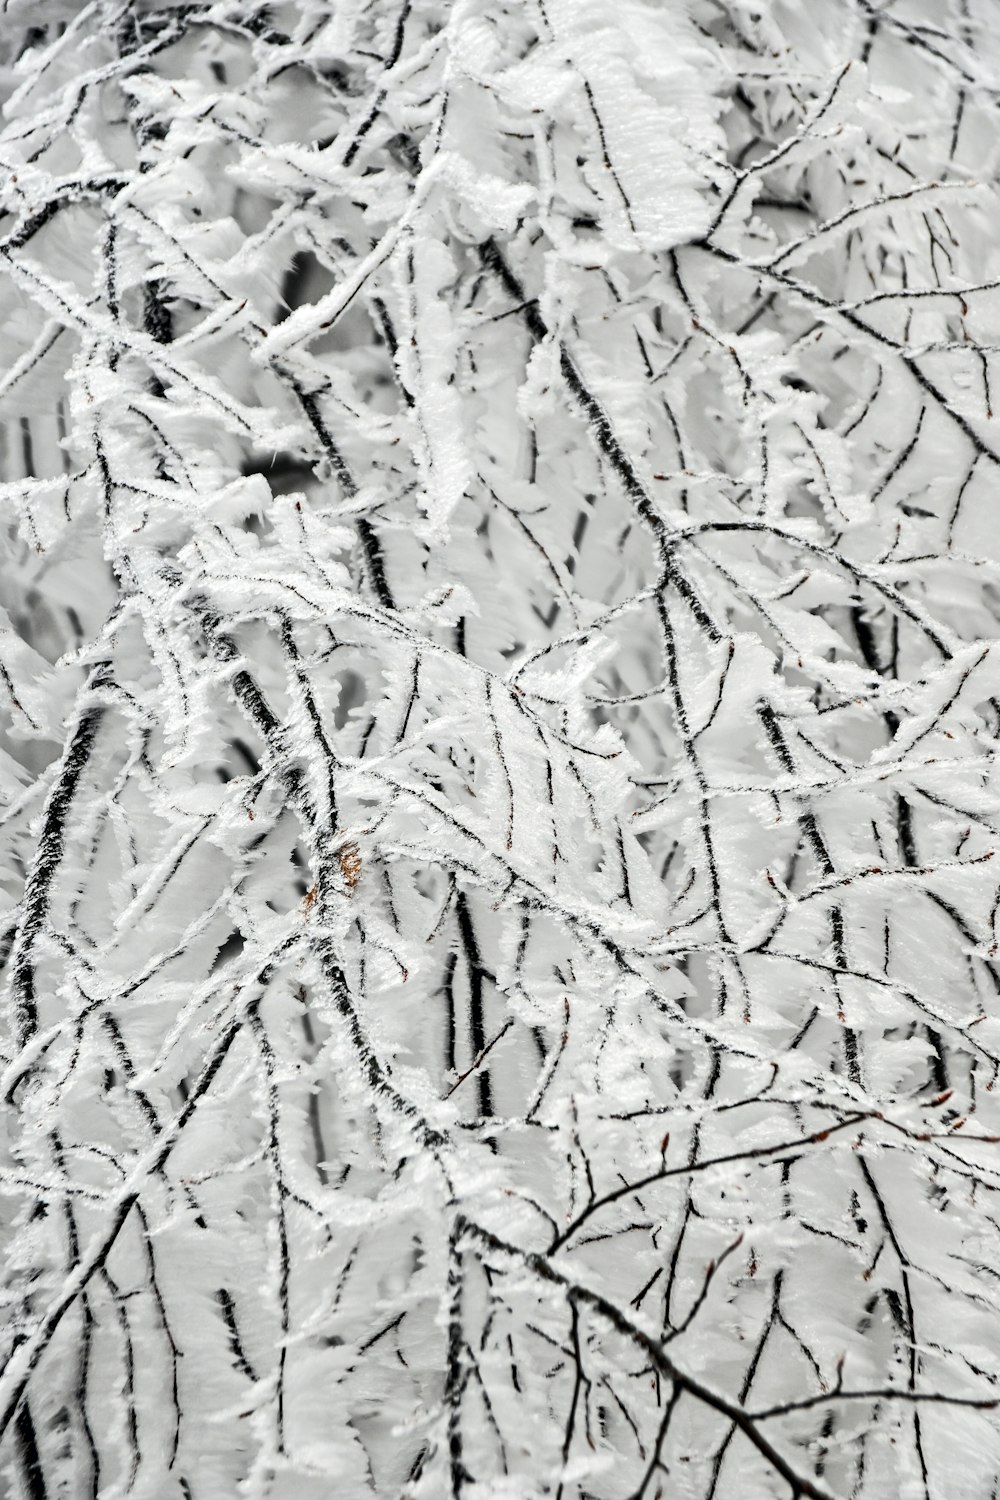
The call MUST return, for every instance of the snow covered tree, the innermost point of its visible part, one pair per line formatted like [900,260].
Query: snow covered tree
[500,673]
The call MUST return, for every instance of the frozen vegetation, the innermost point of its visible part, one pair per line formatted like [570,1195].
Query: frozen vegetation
[500,696]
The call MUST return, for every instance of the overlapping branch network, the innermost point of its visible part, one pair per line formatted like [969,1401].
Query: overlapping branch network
[501,683]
